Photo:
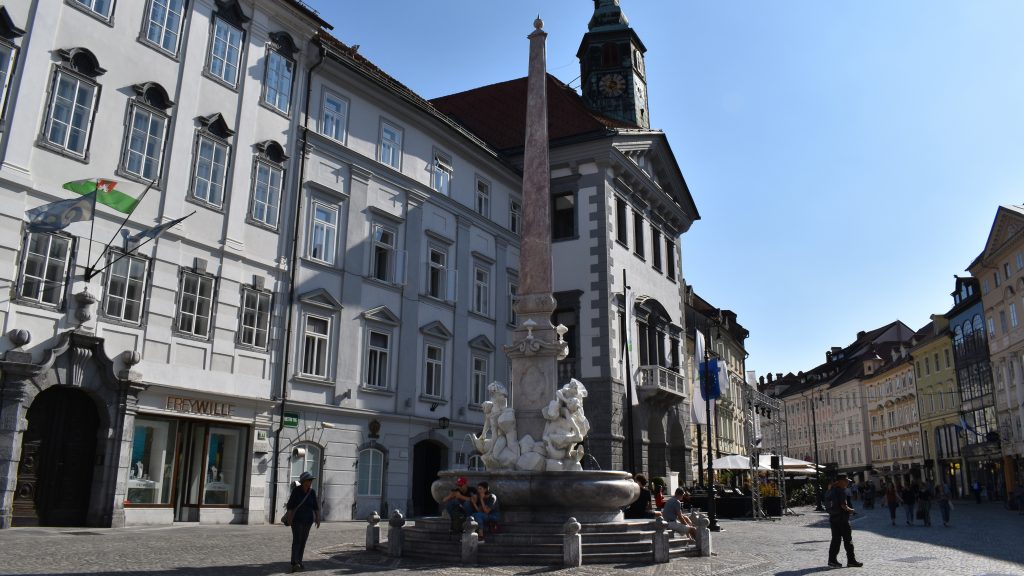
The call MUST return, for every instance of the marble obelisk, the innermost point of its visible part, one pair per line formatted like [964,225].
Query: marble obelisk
[537,347]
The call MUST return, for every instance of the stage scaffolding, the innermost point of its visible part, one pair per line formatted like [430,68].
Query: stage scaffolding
[762,410]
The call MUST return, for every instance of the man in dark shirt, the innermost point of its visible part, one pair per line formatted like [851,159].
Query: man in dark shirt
[839,511]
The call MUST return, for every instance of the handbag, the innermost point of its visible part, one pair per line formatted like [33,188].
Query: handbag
[290,514]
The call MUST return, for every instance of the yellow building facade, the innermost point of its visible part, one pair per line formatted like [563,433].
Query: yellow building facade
[938,403]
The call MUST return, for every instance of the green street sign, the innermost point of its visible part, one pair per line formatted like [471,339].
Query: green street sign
[291,420]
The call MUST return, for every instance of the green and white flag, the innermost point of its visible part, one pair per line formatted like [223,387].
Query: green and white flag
[105,193]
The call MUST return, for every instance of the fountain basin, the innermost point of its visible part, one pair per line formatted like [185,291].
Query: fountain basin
[550,497]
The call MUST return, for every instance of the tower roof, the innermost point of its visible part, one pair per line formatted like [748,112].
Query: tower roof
[607,16]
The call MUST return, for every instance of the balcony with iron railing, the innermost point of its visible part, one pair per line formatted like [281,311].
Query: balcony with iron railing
[665,383]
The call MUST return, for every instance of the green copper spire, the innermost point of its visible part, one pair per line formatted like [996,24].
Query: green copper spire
[607,16]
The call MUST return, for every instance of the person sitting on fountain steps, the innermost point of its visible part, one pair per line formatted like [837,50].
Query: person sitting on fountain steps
[485,505]
[672,512]
[458,503]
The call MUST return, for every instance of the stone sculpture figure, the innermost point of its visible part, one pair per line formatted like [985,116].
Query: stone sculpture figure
[566,427]
[498,441]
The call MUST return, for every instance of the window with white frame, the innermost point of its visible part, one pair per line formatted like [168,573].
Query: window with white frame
[433,371]
[323,233]
[8,57]
[513,289]
[441,174]
[656,248]
[370,472]
[44,269]
[144,151]
[315,346]
[266,192]
[99,7]
[1013,320]
[70,113]
[277,82]
[210,171]
[254,323]
[382,267]
[334,117]
[391,145]
[483,198]
[670,258]
[195,304]
[378,351]
[515,215]
[480,375]
[481,290]
[225,52]
[437,273]
[163,24]
[126,287]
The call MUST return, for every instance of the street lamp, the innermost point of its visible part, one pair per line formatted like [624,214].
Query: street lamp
[817,466]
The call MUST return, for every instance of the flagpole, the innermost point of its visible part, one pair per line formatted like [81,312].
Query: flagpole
[92,228]
[127,253]
[629,380]
[116,232]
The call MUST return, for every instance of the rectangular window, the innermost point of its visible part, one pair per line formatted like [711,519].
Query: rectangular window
[1013,314]
[946,351]
[370,470]
[195,304]
[100,7]
[315,346]
[334,118]
[1020,261]
[126,287]
[266,193]
[927,365]
[210,171]
[512,290]
[383,264]
[152,455]
[483,198]
[563,216]
[995,276]
[1002,321]
[638,234]
[378,348]
[656,248]
[254,329]
[278,82]
[144,153]
[481,291]
[225,52]
[433,371]
[515,215]
[480,377]
[1006,270]
[437,273]
[670,258]
[323,232]
[163,24]
[621,218]
[391,145]
[45,268]
[69,119]
[441,178]
[7,59]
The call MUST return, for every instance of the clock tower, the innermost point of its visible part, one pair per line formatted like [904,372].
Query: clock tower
[612,74]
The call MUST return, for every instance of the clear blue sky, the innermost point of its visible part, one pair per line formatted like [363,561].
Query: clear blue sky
[847,157]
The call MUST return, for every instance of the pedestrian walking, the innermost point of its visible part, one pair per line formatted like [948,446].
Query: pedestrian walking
[944,498]
[909,497]
[303,512]
[892,500]
[924,505]
[839,510]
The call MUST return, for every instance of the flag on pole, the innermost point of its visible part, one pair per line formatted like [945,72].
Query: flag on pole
[106,194]
[58,215]
[151,233]
[630,363]
[712,371]
[697,404]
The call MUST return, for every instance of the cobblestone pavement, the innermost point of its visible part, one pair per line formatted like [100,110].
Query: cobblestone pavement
[984,540]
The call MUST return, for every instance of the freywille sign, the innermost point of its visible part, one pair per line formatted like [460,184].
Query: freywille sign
[193,406]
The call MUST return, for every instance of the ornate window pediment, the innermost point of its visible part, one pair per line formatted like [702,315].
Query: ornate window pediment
[272,151]
[231,11]
[7,28]
[482,343]
[436,329]
[81,60]
[216,125]
[321,298]
[284,43]
[153,94]
[383,315]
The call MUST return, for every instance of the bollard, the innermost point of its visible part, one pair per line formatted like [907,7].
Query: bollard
[704,535]
[661,540]
[373,531]
[572,544]
[396,536]
[470,541]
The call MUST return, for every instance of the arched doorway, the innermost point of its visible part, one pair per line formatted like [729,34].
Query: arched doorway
[428,458]
[58,457]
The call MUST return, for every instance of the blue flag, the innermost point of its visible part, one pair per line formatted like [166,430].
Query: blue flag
[712,371]
[151,233]
[58,215]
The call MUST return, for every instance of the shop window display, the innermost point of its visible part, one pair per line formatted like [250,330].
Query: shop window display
[149,476]
[225,467]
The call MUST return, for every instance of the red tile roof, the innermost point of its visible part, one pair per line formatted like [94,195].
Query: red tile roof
[497,113]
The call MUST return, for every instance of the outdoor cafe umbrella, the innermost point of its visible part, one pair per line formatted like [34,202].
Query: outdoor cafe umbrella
[788,463]
[735,462]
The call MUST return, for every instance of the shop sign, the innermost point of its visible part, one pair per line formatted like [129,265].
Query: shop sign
[291,420]
[261,445]
[195,406]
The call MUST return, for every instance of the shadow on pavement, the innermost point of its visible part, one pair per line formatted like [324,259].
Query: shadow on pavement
[803,571]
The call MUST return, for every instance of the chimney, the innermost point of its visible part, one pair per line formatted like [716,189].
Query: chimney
[778,375]
[828,356]
[769,377]
[861,334]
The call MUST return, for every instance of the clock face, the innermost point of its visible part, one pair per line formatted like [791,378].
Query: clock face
[612,84]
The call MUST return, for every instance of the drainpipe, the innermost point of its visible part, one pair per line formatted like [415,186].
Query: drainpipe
[291,289]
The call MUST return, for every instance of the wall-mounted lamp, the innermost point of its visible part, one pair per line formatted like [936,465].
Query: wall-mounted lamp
[433,406]
[327,425]
[443,423]
[346,395]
